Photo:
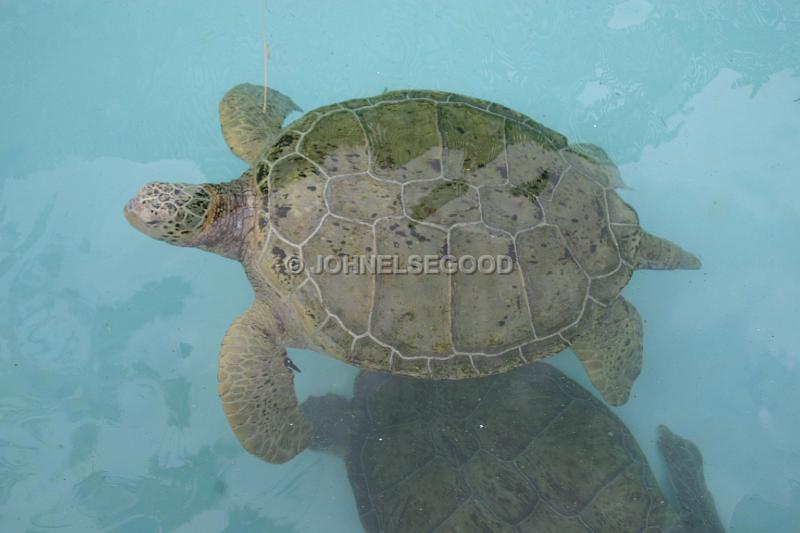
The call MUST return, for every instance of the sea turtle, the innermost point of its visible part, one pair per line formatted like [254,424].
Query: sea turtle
[528,450]
[404,175]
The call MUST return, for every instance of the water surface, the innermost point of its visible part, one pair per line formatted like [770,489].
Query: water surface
[109,418]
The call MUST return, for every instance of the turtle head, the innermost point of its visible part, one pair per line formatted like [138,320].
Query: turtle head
[214,217]
[172,212]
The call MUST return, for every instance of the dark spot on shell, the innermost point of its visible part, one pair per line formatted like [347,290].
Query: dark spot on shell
[511,252]
[532,188]
[262,173]
[420,238]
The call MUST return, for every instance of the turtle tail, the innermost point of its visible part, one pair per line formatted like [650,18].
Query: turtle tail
[655,253]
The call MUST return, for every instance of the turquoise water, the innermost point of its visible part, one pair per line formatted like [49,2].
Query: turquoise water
[109,417]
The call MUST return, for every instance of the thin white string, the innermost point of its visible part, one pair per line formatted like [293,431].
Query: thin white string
[266,57]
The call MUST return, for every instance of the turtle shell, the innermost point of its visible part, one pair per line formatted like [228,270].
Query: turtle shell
[528,450]
[428,174]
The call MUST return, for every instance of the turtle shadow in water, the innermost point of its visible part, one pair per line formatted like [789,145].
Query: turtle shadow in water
[528,450]
[754,513]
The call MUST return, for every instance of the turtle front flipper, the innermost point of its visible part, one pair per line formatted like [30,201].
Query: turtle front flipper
[694,503]
[247,128]
[256,386]
[611,351]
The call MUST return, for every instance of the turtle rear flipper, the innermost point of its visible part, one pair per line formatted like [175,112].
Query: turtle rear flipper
[611,351]
[602,167]
[694,503]
[256,386]
[247,128]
